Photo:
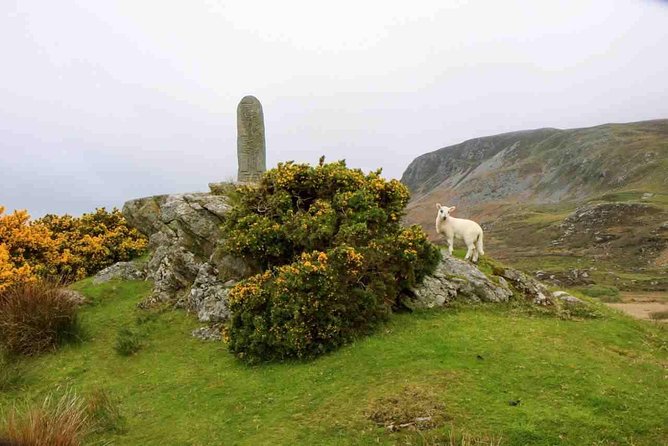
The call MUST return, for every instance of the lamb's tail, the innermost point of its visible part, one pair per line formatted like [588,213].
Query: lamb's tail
[478,245]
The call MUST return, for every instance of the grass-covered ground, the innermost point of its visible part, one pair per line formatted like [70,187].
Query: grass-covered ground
[492,371]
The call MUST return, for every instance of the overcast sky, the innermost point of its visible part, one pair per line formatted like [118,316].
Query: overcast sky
[104,101]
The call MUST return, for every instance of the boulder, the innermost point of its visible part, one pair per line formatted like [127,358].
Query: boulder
[187,265]
[566,298]
[208,295]
[121,270]
[73,296]
[455,279]
[527,285]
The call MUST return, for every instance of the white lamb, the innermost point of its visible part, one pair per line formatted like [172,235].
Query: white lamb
[460,228]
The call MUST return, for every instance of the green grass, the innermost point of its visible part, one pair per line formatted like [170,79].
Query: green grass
[600,290]
[494,370]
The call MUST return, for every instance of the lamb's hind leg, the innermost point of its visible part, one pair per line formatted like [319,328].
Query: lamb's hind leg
[475,254]
[469,251]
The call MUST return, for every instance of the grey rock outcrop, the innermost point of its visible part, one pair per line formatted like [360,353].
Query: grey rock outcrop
[187,265]
[527,285]
[208,295]
[121,270]
[455,279]
[566,298]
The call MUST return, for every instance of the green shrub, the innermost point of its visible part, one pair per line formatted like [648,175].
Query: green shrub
[128,341]
[333,257]
[36,317]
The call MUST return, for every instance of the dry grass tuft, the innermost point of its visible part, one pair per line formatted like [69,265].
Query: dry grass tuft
[412,408]
[36,317]
[466,439]
[55,423]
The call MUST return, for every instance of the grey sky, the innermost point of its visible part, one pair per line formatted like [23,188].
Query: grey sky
[103,101]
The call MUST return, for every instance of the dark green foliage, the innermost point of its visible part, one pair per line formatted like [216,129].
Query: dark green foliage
[36,317]
[333,255]
[128,341]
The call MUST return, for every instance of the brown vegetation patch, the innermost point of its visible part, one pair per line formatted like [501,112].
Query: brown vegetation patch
[36,317]
[412,408]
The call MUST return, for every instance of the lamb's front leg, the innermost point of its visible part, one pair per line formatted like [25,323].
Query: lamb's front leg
[450,241]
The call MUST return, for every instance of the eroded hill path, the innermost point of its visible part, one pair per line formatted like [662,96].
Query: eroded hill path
[643,305]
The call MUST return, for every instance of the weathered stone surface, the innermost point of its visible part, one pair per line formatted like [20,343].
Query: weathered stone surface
[563,296]
[183,231]
[251,150]
[455,279]
[527,285]
[121,270]
[73,296]
[208,295]
[212,333]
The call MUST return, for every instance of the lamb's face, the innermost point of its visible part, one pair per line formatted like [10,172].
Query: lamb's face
[444,211]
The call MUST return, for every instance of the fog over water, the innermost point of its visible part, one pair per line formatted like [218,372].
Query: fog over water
[101,102]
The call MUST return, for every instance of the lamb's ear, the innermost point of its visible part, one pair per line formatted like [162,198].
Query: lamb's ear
[452,209]
[438,205]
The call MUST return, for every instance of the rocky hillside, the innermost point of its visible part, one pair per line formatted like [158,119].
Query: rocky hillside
[555,198]
[545,165]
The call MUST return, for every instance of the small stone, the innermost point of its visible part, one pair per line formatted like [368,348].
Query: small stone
[208,334]
[567,298]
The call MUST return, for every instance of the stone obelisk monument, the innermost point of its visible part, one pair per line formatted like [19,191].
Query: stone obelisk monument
[251,150]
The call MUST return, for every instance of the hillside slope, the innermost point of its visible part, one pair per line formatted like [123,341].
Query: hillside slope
[558,199]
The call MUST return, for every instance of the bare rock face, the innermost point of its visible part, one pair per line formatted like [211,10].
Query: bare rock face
[527,285]
[121,270]
[455,279]
[187,266]
[458,280]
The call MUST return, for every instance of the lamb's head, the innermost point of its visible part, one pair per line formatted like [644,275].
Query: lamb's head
[444,211]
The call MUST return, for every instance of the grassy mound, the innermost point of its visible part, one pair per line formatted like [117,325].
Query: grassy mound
[488,372]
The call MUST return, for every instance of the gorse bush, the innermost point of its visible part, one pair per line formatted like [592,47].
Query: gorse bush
[36,317]
[63,247]
[332,253]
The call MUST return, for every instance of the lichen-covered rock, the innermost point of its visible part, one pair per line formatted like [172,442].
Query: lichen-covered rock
[208,296]
[527,285]
[211,334]
[186,264]
[455,279]
[121,270]
[73,296]
[566,298]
